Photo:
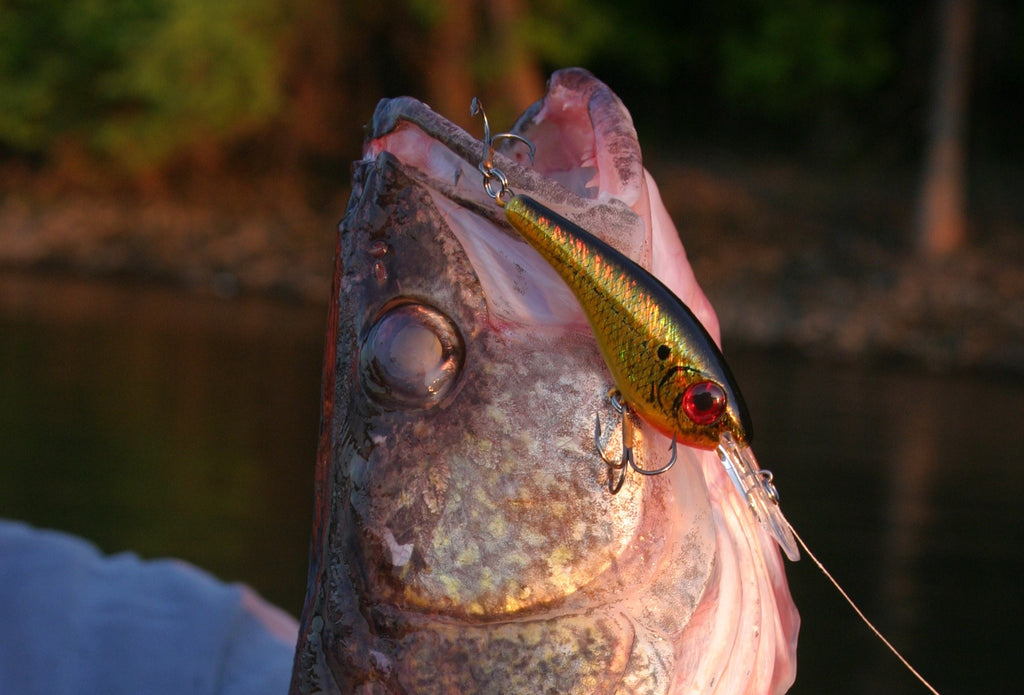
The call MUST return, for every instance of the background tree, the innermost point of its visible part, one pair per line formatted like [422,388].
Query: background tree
[137,82]
[942,218]
[282,87]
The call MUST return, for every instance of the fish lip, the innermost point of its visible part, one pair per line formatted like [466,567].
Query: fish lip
[444,158]
[520,288]
[394,114]
[573,93]
[393,622]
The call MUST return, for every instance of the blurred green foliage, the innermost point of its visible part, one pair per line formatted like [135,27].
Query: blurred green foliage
[51,54]
[787,64]
[569,32]
[135,80]
[139,81]
[789,55]
[204,71]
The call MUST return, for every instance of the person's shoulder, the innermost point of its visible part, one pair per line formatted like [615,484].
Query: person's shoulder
[75,620]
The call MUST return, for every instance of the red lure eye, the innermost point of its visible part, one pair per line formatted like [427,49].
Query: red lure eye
[704,402]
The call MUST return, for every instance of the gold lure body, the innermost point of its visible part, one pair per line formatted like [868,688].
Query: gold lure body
[663,361]
[665,365]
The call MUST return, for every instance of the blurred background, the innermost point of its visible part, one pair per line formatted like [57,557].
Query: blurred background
[846,176]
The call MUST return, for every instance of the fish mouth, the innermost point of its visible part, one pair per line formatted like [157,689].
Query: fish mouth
[587,167]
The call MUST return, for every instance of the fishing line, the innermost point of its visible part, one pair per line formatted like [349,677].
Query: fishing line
[860,613]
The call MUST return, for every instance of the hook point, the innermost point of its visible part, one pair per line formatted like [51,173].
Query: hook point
[627,458]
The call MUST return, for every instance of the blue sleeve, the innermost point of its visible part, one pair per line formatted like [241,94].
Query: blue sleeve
[75,621]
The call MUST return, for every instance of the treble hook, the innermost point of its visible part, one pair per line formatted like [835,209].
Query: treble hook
[626,413]
[486,166]
[627,443]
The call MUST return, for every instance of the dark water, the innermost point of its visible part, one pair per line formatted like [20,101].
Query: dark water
[173,425]
[163,423]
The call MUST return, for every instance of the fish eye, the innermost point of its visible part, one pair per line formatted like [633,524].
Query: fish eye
[704,402]
[411,357]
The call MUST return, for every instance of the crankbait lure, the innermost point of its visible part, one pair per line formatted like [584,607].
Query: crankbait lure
[665,365]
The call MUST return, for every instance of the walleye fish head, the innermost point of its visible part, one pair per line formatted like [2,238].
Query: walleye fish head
[465,539]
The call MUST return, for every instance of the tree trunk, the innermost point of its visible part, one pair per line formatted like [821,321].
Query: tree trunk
[449,78]
[942,221]
[521,81]
[466,31]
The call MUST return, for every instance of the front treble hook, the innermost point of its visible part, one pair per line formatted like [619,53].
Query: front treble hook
[627,457]
[491,173]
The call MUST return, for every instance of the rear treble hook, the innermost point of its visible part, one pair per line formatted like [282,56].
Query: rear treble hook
[626,417]
[492,173]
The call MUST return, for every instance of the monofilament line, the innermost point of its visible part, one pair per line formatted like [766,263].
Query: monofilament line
[860,613]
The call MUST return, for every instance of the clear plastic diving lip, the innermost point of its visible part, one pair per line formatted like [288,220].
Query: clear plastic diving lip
[755,485]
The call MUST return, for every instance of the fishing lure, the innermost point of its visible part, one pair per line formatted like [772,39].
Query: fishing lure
[666,367]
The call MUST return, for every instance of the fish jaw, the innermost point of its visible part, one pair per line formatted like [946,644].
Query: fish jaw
[468,543]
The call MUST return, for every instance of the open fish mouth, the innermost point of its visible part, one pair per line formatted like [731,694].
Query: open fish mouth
[573,174]
[465,540]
